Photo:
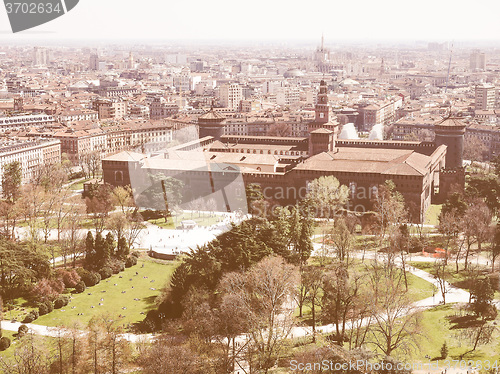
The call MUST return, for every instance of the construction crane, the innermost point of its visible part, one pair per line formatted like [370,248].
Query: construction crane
[449,68]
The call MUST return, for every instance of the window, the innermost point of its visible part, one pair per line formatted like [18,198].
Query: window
[118,176]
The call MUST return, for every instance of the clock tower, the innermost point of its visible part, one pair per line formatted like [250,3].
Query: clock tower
[322,108]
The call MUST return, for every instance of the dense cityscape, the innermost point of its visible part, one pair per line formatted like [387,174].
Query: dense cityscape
[257,207]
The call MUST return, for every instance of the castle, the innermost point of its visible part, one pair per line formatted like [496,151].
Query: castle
[283,166]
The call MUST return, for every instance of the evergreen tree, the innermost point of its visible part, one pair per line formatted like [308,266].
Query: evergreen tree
[482,295]
[100,251]
[90,254]
[11,181]
[122,248]
[109,247]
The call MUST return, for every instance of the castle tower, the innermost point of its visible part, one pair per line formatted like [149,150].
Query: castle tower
[321,140]
[451,132]
[211,124]
[322,108]
[18,104]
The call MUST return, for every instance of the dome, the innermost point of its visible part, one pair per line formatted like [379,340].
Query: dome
[293,73]
[349,82]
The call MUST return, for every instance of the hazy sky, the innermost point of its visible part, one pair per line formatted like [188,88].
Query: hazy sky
[441,20]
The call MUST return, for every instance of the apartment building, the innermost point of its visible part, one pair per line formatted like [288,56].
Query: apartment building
[31,155]
[485,97]
[231,95]
[23,122]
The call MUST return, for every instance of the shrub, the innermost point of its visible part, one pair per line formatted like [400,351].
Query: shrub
[4,343]
[151,214]
[135,254]
[80,287]
[45,307]
[42,309]
[90,278]
[106,272]
[50,306]
[131,261]
[63,300]
[47,289]
[69,277]
[116,265]
[23,329]
[33,315]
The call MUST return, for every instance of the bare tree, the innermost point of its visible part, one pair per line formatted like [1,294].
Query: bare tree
[91,163]
[314,281]
[396,322]
[122,197]
[479,334]
[449,227]
[280,129]
[168,355]
[389,208]
[72,235]
[340,291]
[35,200]
[341,240]
[30,357]
[440,274]
[266,291]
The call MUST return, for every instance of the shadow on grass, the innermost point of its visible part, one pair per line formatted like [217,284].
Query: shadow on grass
[150,300]
[464,322]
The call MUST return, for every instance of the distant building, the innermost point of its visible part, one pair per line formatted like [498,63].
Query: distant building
[231,95]
[477,60]
[32,155]
[41,56]
[111,108]
[94,62]
[382,112]
[322,58]
[485,97]
[24,122]
[161,108]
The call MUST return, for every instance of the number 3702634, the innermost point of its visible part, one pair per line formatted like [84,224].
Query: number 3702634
[33,8]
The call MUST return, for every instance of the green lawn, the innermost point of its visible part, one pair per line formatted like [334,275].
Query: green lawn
[9,352]
[16,309]
[457,279]
[202,219]
[432,215]
[136,293]
[436,330]
[78,185]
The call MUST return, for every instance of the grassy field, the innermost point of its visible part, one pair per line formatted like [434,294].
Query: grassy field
[78,185]
[203,219]
[457,279]
[438,326]
[126,295]
[432,215]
